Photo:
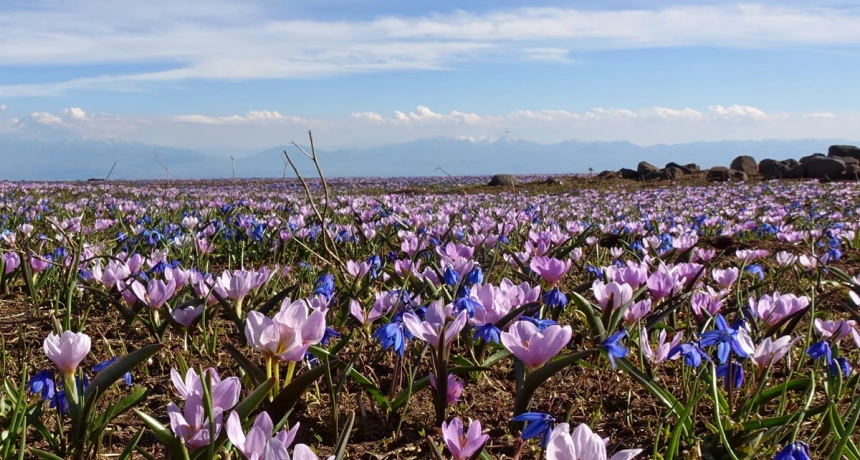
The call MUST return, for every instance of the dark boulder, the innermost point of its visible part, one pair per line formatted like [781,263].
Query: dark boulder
[852,172]
[738,176]
[772,169]
[844,151]
[504,180]
[718,173]
[646,168]
[797,171]
[553,181]
[809,158]
[671,173]
[608,174]
[628,174]
[685,169]
[824,168]
[746,164]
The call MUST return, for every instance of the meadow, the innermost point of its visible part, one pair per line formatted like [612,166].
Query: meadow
[429,318]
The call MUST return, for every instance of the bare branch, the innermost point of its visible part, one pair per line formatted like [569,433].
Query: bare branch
[158,157]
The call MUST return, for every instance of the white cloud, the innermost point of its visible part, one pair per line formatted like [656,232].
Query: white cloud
[259,116]
[75,113]
[820,115]
[2,107]
[225,40]
[48,119]
[258,130]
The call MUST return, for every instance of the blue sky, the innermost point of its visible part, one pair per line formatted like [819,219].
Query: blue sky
[230,74]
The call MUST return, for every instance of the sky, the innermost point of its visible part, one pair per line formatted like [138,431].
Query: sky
[245,75]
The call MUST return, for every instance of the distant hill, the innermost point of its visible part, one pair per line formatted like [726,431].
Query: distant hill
[43,153]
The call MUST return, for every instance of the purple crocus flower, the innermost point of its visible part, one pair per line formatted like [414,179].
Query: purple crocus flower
[259,442]
[531,346]
[550,269]
[463,446]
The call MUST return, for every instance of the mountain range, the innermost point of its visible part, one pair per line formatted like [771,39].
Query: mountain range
[29,155]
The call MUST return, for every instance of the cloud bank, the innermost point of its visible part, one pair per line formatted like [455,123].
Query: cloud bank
[231,41]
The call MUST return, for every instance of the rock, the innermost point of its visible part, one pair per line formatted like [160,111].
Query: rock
[718,173]
[608,174]
[671,173]
[628,174]
[844,151]
[553,181]
[797,171]
[645,168]
[824,168]
[808,158]
[504,180]
[685,169]
[791,162]
[746,164]
[655,175]
[849,160]
[737,176]
[772,169]
[852,172]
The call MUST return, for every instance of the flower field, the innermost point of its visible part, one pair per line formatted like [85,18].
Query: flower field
[429,318]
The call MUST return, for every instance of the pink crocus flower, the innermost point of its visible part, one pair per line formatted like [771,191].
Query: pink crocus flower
[550,269]
[770,352]
[67,350]
[11,261]
[726,278]
[748,255]
[584,444]
[237,285]
[660,285]
[633,274]
[430,329]
[463,446]
[455,387]
[703,301]
[612,295]
[375,313]
[661,352]
[38,264]
[289,334]
[186,316]
[785,259]
[225,393]
[259,444]
[637,311]
[191,424]
[179,275]
[357,270]
[156,293]
[774,308]
[534,348]
[838,330]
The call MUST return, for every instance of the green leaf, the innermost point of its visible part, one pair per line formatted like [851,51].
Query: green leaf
[676,433]
[496,357]
[115,371]
[772,393]
[535,379]
[845,434]
[290,395]
[247,405]
[276,299]
[126,453]
[257,375]
[422,383]
[367,385]
[583,305]
[44,455]
[340,448]
[173,445]
[656,390]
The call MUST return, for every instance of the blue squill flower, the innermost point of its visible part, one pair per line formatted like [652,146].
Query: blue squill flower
[555,299]
[487,332]
[465,303]
[727,339]
[476,276]
[820,350]
[539,424]
[840,364]
[43,383]
[737,373]
[541,324]
[614,348]
[691,352]
[451,276]
[797,450]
